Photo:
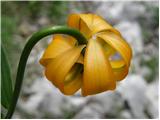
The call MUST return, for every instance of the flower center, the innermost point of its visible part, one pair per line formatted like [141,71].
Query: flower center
[94,37]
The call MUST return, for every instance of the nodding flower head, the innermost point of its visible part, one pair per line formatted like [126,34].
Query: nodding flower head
[104,61]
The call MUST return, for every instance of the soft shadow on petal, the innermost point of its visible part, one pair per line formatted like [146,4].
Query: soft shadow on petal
[80,59]
[118,66]
[120,69]
[75,21]
[88,24]
[108,50]
[119,44]
[73,79]
[58,68]
[98,75]
[59,44]
[98,24]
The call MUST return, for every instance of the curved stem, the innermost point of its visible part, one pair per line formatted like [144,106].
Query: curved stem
[26,51]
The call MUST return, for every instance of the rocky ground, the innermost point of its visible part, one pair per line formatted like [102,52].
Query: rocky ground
[135,97]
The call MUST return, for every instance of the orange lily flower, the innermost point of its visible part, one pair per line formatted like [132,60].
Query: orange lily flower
[106,59]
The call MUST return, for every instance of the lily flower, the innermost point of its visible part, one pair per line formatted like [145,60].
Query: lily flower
[105,61]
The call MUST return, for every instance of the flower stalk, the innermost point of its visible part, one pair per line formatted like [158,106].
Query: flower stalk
[35,38]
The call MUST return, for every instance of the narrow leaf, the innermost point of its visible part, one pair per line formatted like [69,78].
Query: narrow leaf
[6,82]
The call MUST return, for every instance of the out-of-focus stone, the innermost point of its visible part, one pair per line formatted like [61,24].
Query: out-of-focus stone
[43,93]
[108,103]
[131,31]
[77,101]
[26,29]
[145,71]
[46,101]
[125,114]
[104,105]
[43,21]
[152,95]
[133,90]
[120,11]
[87,112]
[113,11]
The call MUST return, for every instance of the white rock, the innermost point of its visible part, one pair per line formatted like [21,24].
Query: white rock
[48,100]
[52,105]
[112,11]
[152,95]
[44,94]
[26,29]
[104,105]
[125,114]
[131,31]
[87,112]
[120,11]
[110,103]
[133,90]
[77,101]
[43,21]
[130,8]
[145,71]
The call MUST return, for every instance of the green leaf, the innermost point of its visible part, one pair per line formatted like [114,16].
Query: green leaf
[6,82]
[3,112]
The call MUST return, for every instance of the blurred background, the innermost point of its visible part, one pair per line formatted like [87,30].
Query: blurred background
[135,97]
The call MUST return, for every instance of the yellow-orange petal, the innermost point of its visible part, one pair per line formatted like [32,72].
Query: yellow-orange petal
[119,44]
[73,79]
[119,68]
[73,86]
[58,68]
[108,50]
[80,59]
[75,21]
[88,24]
[98,75]
[59,44]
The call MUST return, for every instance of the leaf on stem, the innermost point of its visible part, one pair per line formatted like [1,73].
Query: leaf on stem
[6,82]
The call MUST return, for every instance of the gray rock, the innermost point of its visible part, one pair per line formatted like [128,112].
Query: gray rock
[125,114]
[130,8]
[43,21]
[152,95]
[113,11]
[44,94]
[131,31]
[46,101]
[87,112]
[108,103]
[145,71]
[133,90]
[104,105]
[27,29]
[77,101]
[120,11]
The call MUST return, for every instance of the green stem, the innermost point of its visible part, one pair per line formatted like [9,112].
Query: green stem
[26,51]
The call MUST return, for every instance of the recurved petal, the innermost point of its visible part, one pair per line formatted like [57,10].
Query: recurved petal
[99,24]
[119,44]
[59,44]
[120,69]
[58,68]
[73,86]
[98,75]
[108,50]
[73,79]
[88,24]
[75,21]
